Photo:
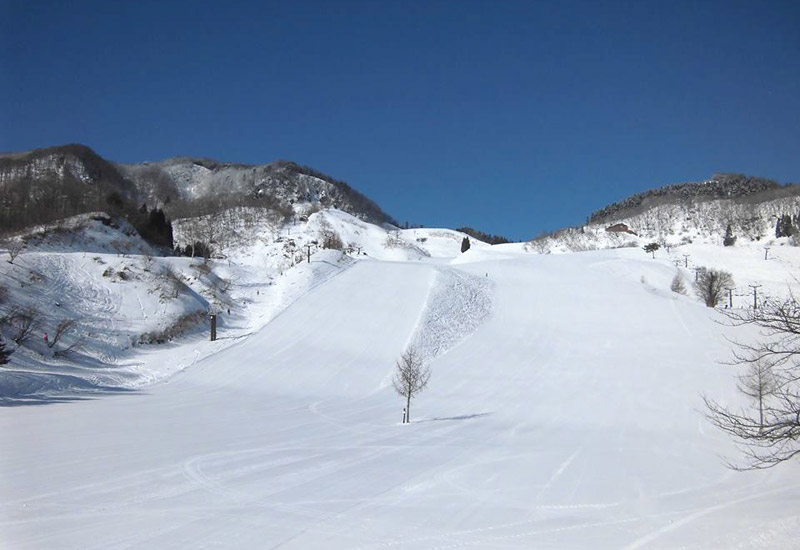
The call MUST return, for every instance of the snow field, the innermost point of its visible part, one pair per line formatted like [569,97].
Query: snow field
[565,415]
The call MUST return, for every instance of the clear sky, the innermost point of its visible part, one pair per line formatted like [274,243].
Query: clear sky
[512,117]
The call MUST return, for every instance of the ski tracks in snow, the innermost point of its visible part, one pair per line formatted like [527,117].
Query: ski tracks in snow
[458,303]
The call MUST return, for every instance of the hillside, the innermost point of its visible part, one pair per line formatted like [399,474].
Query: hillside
[127,306]
[554,418]
[756,210]
[720,186]
[45,185]
[283,182]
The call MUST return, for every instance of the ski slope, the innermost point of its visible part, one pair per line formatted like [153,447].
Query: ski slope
[563,413]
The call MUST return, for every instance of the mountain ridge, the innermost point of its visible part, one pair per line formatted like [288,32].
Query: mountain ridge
[50,183]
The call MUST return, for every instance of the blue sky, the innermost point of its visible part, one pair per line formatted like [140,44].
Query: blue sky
[512,117]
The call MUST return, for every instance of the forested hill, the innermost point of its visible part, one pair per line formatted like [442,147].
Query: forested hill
[47,184]
[282,182]
[720,186]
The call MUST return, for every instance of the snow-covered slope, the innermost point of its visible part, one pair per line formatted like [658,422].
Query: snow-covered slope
[563,412]
[129,307]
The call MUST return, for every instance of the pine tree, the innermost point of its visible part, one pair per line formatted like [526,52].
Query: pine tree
[729,239]
[465,244]
[651,248]
[788,228]
[784,227]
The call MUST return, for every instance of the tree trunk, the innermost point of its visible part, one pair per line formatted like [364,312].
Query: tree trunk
[408,408]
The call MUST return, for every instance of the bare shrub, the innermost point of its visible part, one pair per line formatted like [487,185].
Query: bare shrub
[677,285]
[182,324]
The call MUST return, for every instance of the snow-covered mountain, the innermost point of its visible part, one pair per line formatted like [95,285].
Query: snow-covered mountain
[47,184]
[283,181]
[685,213]
[564,408]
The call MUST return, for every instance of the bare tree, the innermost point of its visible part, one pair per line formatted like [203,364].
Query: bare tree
[174,284]
[75,346]
[758,383]
[769,430]
[332,240]
[210,235]
[410,378]
[14,248]
[23,322]
[539,244]
[63,327]
[711,284]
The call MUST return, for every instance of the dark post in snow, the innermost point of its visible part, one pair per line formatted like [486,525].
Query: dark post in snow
[213,318]
[405,416]
[730,297]
[755,295]
[686,260]
[308,247]
[766,251]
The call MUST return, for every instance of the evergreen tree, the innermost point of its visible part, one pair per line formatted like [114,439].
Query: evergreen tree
[784,227]
[651,248]
[729,239]
[465,244]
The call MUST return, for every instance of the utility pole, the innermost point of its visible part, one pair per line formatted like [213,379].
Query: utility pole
[755,295]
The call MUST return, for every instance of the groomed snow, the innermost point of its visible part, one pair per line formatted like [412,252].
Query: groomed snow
[564,412]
